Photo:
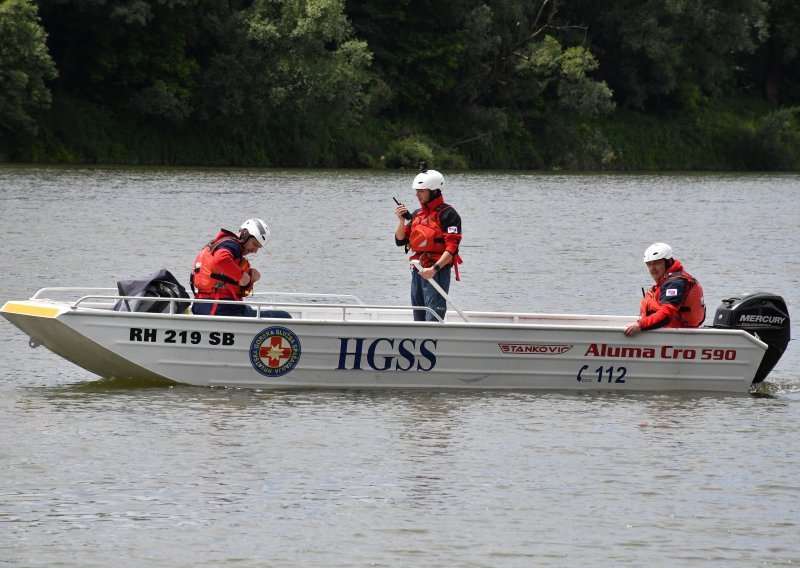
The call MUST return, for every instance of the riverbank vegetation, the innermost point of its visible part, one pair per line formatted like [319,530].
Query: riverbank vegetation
[549,84]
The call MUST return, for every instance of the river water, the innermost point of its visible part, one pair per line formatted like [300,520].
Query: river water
[101,473]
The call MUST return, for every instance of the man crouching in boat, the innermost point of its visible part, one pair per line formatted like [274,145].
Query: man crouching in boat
[221,271]
[675,300]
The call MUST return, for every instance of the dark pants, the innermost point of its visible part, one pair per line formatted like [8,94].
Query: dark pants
[424,294]
[239,310]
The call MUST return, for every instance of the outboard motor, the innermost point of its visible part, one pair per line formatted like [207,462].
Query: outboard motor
[762,315]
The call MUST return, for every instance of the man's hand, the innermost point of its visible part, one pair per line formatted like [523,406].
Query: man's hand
[633,329]
[427,273]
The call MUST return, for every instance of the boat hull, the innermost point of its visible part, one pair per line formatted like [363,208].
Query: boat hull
[492,351]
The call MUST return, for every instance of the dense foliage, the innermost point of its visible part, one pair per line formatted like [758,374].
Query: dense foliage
[25,65]
[574,84]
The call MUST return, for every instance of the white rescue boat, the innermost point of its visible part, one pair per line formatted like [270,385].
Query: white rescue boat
[339,342]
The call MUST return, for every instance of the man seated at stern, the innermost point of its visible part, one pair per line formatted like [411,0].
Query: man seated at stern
[676,298]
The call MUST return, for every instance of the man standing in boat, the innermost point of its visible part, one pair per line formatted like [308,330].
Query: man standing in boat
[433,234]
[221,271]
[675,300]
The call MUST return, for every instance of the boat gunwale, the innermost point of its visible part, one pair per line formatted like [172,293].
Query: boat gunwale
[73,308]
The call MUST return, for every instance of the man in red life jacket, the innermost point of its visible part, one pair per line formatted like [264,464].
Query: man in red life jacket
[675,300]
[221,271]
[433,234]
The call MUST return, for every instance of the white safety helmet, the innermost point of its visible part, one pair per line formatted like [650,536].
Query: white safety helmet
[255,228]
[657,251]
[429,179]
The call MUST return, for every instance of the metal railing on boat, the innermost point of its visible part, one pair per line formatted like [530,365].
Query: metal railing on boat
[349,308]
[358,311]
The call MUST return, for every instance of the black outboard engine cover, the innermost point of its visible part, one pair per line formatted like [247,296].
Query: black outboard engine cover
[762,315]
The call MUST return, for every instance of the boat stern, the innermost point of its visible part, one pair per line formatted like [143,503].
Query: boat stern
[763,315]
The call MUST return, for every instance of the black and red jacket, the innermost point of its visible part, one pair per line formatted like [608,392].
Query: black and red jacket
[434,228]
[218,268]
[676,300]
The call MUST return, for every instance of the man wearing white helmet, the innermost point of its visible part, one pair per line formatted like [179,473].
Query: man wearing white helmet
[221,271]
[433,234]
[675,300]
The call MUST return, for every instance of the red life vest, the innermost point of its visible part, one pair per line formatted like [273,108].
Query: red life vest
[426,231]
[692,310]
[209,281]
[426,237]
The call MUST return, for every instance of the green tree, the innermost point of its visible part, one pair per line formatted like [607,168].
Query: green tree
[777,63]
[25,66]
[523,62]
[480,70]
[131,56]
[289,69]
[522,67]
[654,50]
[418,48]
